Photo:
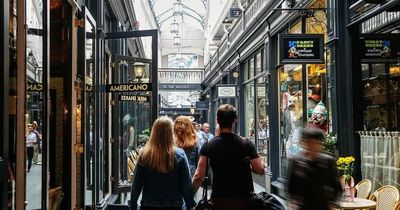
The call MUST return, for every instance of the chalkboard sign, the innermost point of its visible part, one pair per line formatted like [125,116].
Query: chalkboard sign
[301,48]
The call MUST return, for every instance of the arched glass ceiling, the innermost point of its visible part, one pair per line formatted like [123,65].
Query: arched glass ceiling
[181,24]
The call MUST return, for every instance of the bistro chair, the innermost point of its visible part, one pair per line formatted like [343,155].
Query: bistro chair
[397,206]
[363,188]
[386,197]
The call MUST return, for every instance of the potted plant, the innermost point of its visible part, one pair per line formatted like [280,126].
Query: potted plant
[144,137]
[329,144]
[346,166]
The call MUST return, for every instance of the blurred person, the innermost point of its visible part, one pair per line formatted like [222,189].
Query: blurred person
[205,134]
[162,174]
[312,175]
[198,130]
[229,153]
[36,147]
[31,140]
[185,138]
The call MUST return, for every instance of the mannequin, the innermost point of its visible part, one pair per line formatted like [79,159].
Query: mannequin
[296,118]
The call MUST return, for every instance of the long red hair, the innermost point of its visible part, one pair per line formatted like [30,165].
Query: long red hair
[187,139]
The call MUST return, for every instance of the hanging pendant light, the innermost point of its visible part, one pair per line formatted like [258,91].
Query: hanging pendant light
[174,28]
[177,40]
[177,7]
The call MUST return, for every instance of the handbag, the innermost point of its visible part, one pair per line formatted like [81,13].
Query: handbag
[204,204]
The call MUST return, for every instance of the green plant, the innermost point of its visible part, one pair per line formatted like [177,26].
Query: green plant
[144,137]
[329,144]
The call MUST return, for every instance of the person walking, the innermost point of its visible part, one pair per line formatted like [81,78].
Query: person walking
[312,176]
[162,173]
[36,147]
[229,153]
[186,139]
[31,140]
[205,134]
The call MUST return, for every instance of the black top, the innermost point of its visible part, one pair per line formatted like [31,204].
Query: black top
[313,184]
[229,156]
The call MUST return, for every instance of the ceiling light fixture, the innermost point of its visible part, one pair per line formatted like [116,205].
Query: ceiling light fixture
[177,40]
[177,7]
[174,28]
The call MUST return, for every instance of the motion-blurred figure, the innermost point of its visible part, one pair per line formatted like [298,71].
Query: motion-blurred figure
[313,182]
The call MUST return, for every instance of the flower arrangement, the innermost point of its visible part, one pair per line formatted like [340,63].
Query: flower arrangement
[346,164]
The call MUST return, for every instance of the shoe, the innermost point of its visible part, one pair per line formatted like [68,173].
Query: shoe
[29,170]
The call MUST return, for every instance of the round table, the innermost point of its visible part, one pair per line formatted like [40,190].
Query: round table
[358,203]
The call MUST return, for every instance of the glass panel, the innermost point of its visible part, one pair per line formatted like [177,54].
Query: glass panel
[245,70]
[33,114]
[291,116]
[134,114]
[251,68]
[89,112]
[263,121]
[258,63]
[330,60]
[249,107]
[316,96]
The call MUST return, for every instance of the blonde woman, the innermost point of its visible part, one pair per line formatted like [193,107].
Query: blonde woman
[186,139]
[162,174]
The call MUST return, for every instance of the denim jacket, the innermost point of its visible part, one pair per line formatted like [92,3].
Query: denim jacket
[193,158]
[164,190]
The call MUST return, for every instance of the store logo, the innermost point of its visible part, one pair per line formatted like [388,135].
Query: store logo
[34,87]
[134,98]
[301,48]
[128,87]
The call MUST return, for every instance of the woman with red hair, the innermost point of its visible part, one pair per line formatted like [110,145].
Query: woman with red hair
[185,138]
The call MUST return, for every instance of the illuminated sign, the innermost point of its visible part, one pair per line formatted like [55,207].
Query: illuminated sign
[379,46]
[301,48]
[34,87]
[133,87]
[134,98]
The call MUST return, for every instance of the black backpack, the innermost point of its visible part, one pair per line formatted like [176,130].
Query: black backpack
[265,201]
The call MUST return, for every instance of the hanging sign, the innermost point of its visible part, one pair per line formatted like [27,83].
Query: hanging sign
[301,48]
[201,105]
[379,46]
[131,87]
[235,12]
[34,87]
[226,91]
[133,98]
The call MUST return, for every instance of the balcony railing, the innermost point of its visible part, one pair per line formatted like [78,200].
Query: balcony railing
[239,25]
[180,76]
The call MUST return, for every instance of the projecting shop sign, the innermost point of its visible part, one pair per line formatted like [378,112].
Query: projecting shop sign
[133,98]
[379,46]
[128,87]
[226,91]
[301,48]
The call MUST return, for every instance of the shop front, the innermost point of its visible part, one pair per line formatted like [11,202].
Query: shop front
[299,85]
[376,70]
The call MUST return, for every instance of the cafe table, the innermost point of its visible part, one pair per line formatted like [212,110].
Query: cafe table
[358,203]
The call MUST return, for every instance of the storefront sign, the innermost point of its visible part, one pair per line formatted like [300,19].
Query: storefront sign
[379,46]
[128,87]
[201,105]
[235,12]
[226,91]
[34,87]
[134,98]
[301,48]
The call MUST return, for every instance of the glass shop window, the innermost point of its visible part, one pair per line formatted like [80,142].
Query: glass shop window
[249,107]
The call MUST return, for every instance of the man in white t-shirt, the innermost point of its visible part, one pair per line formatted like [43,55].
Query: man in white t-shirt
[205,134]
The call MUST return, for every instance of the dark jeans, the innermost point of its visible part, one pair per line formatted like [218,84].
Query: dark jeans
[160,208]
[29,151]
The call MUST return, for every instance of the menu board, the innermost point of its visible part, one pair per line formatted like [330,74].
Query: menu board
[379,46]
[301,48]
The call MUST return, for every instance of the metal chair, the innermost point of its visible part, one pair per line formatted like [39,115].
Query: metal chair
[386,198]
[363,188]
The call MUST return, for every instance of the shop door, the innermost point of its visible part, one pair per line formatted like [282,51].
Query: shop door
[131,102]
[85,118]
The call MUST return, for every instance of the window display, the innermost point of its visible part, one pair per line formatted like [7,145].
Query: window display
[249,107]
[291,116]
